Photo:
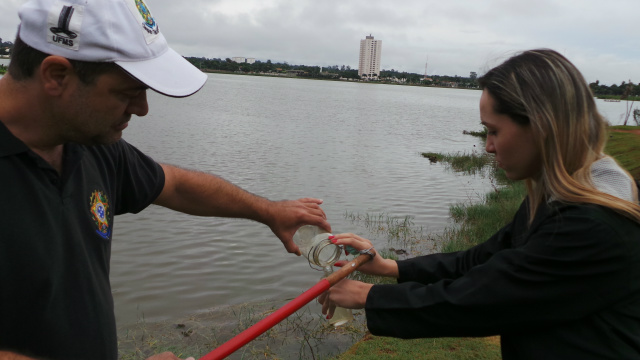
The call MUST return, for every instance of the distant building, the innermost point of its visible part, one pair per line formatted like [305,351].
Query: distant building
[369,64]
[243,60]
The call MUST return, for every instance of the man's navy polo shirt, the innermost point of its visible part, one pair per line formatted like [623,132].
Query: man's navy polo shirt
[55,244]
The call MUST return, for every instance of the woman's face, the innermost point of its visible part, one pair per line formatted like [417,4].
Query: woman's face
[512,144]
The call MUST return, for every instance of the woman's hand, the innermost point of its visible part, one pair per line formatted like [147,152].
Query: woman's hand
[349,294]
[377,266]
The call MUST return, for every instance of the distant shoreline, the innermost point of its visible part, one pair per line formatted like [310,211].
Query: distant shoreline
[286,76]
[335,79]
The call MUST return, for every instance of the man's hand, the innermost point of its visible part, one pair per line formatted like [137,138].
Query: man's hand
[286,217]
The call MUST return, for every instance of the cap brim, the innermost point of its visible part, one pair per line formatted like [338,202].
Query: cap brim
[169,74]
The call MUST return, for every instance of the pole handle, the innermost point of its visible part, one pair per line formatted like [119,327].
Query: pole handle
[347,269]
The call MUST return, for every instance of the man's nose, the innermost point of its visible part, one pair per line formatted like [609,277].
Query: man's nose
[139,105]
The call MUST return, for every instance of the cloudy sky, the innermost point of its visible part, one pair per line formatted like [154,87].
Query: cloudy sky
[455,37]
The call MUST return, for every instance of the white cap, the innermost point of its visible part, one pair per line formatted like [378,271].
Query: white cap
[119,31]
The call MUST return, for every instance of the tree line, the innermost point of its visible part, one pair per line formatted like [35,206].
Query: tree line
[328,72]
[623,91]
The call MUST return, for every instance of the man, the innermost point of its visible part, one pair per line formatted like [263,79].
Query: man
[79,70]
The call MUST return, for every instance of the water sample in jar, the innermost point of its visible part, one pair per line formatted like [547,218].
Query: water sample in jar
[341,315]
[315,246]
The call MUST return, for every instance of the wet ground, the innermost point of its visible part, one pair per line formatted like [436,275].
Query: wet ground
[303,335]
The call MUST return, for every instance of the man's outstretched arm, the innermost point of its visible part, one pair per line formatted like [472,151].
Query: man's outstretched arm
[202,194]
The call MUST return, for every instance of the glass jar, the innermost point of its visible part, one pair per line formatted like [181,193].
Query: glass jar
[341,315]
[315,246]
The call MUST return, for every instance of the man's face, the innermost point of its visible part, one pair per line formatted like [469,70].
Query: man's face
[98,113]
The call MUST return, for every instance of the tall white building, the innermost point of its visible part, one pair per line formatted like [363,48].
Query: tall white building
[370,51]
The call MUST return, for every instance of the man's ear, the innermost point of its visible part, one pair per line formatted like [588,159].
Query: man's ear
[56,73]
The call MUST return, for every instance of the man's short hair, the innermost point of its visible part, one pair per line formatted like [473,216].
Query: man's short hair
[25,60]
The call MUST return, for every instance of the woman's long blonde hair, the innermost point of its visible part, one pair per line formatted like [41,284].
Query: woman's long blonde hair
[542,89]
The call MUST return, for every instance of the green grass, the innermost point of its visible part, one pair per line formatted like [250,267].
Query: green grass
[481,134]
[467,163]
[399,232]
[475,223]
[618,97]
[625,148]
[378,348]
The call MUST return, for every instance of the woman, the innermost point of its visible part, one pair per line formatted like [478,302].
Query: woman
[562,280]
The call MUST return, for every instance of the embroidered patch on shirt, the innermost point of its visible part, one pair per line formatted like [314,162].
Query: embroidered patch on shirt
[99,208]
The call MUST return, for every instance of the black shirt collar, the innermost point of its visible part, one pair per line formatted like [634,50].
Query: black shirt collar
[9,144]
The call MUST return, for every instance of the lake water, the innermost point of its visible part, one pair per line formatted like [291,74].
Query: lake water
[356,146]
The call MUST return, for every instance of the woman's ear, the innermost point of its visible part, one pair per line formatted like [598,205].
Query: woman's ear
[56,73]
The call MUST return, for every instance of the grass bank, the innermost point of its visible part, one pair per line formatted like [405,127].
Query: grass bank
[618,97]
[624,145]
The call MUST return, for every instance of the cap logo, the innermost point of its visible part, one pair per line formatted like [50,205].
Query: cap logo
[149,21]
[64,25]
[141,11]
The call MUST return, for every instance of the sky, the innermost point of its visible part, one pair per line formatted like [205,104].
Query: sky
[450,37]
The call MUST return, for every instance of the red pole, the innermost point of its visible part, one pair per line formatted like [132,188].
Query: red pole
[270,321]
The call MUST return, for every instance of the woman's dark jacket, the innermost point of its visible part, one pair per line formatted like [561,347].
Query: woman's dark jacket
[566,287]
